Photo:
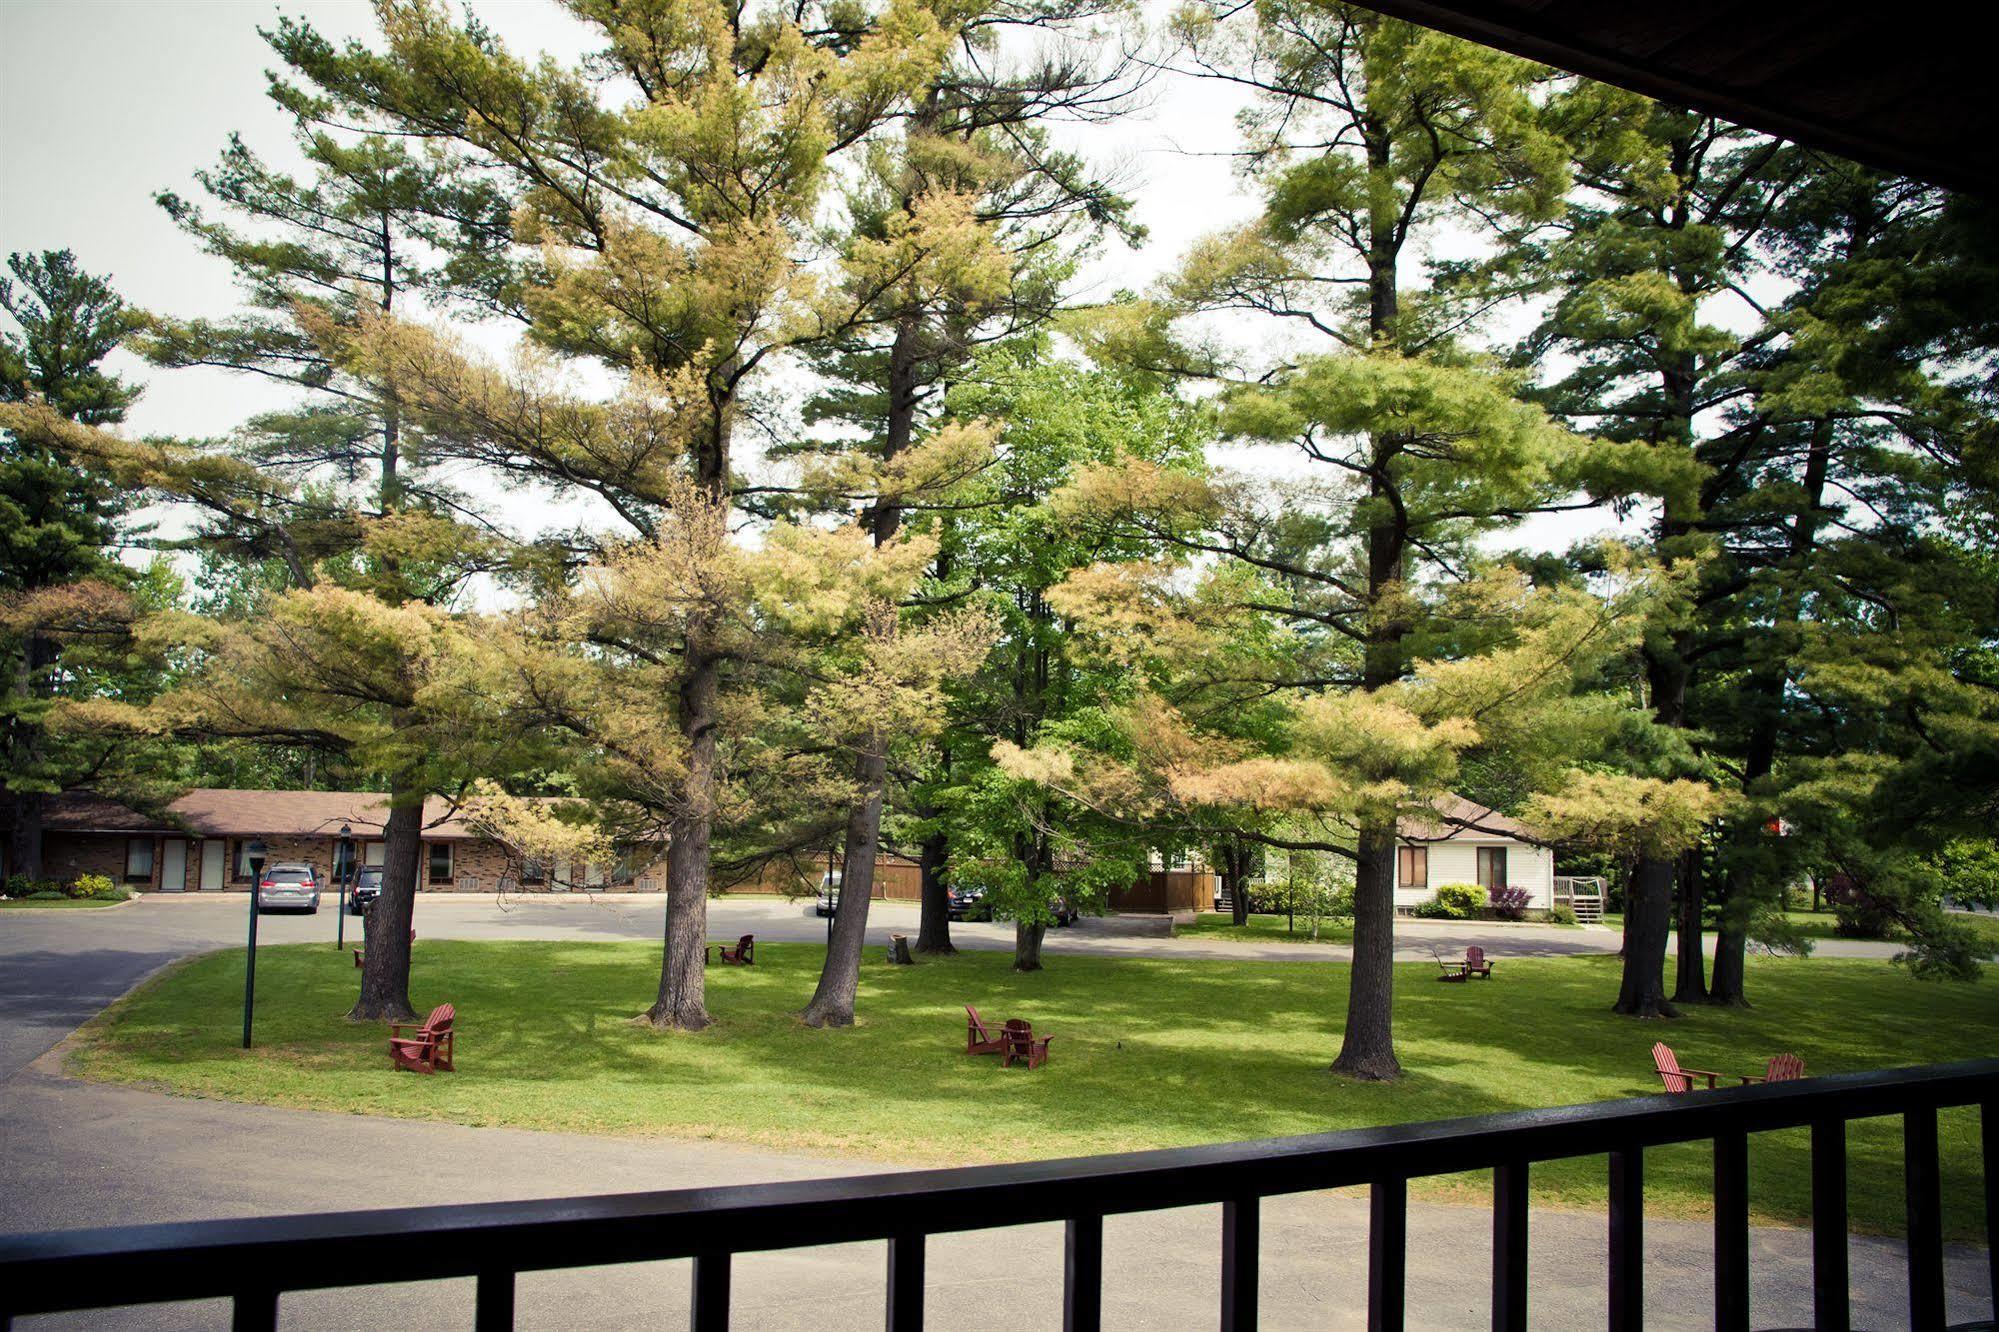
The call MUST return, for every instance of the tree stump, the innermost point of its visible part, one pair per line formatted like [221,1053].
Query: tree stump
[898,951]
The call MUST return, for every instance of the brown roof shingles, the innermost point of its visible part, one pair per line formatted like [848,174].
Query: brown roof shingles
[214,812]
[1459,819]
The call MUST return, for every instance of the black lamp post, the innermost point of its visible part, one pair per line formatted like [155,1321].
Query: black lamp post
[343,859]
[256,857]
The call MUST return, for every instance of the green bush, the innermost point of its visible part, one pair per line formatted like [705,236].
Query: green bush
[47,895]
[20,885]
[1460,901]
[1561,914]
[95,886]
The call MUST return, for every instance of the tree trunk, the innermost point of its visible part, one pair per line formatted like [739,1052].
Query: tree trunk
[1646,926]
[33,681]
[682,999]
[1690,973]
[1232,883]
[24,835]
[385,969]
[833,1002]
[1367,1050]
[933,931]
[1027,945]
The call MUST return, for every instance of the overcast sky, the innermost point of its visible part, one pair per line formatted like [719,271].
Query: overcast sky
[107,101]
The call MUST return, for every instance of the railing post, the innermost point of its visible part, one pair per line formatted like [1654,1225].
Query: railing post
[1083,1274]
[905,1283]
[1832,1292]
[1627,1240]
[1509,1248]
[494,1310]
[1239,1238]
[1387,1253]
[255,1310]
[1731,1231]
[1925,1219]
[1988,1124]
[710,1312]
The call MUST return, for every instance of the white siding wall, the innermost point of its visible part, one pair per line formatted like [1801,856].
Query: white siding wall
[1529,867]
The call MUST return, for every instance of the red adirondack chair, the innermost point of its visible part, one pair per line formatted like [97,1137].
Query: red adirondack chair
[742,955]
[978,1039]
[1473,963]
[1023,1045]
[361,954]
[430,1048]
[1678,1079]
[1782,1068]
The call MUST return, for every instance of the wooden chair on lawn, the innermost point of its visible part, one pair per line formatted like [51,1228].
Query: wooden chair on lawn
[1678,1079]
[1782,1068]
[429,1049]
[1022,1045]
[361,954]
[978,1038]
[742,955]
[1473,963]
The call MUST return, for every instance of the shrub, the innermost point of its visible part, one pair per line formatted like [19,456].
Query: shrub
[1431,910]
[20,885]
[46,895]
[1861,920]
[92,886]
[1562,914]
[1460,901]
[1508,902]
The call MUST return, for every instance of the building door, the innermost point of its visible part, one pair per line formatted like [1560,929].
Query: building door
[173,866]
[213,854]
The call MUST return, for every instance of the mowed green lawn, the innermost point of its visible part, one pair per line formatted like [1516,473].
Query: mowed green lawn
[1147,1053]
[1265,929]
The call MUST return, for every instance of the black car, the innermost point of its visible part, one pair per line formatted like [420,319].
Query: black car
[366,888]
[968,903]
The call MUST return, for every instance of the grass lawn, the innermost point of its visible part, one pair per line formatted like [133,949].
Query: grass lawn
[1147,1053]
[56,904]
[1264,929]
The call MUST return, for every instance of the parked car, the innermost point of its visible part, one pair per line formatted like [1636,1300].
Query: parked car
[968,902]
[1065,914]
[288,887]
[829,894]
[367,886]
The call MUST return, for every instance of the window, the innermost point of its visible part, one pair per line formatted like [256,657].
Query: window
[372,854]
[440,862]
[1492,867]
[343,861]
[1412,867]
[138,860]
[242,857]
[534,870]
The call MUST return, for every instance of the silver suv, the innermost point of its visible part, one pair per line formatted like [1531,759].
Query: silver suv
[288,887]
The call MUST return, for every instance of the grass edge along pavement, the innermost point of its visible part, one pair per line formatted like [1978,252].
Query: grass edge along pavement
[1148,1053]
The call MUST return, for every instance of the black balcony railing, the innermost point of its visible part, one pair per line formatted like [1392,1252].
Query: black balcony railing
[253,1262]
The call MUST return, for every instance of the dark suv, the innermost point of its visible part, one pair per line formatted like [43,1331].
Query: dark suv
[367,887]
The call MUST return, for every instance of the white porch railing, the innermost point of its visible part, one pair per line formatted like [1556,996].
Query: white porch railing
[1582,894]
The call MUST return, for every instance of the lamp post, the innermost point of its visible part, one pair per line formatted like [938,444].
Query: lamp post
[255,852]
[343,861]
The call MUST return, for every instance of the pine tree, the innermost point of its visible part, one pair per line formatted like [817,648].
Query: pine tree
[60,582]
[964,228]
[1368,135]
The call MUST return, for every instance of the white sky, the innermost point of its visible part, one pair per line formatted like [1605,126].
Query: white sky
[107,101]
